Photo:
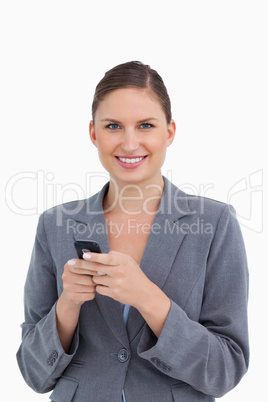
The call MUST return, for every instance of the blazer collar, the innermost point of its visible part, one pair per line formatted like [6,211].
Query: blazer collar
[160,251]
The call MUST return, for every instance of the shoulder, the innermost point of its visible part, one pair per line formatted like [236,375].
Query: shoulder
[218,216]
[207,206]
[63,211]
[59,217]
[183,204]
[70,207]
[83,209]
[54,221]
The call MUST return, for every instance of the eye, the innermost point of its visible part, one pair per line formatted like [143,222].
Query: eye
[146,125]
[113,126]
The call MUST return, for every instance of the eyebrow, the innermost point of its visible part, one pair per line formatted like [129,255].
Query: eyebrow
[139,121]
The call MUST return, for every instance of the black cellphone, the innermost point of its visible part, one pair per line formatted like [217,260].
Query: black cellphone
[83,246]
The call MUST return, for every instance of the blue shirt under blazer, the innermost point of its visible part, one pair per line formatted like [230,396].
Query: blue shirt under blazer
[195,254]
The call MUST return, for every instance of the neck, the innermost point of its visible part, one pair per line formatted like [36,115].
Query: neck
[132,198]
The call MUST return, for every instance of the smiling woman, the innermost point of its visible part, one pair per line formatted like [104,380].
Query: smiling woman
[161,312]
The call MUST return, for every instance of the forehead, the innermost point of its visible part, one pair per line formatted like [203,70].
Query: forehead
[126,102]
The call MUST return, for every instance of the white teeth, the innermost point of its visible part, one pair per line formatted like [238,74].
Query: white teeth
[132,160]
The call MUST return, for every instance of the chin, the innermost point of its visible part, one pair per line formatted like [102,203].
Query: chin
[136,177]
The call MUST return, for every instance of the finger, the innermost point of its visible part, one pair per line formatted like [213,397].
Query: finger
[73,279]
[103,280]
[103,258]
[92,267]
[103,290]
[84,280]
[78,266]
[78,298]
[79,289]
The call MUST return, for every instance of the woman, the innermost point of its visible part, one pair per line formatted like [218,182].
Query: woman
[161,313]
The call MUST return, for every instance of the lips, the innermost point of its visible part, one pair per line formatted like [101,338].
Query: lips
[131,161]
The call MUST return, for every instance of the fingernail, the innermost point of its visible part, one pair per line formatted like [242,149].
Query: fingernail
[71,262]
[86,256]
[101,273]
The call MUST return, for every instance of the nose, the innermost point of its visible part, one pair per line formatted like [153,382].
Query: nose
[129,142]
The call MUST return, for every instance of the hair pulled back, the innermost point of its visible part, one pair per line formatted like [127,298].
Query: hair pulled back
[132,74]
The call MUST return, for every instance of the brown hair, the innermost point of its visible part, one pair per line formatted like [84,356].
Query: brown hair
[132,74]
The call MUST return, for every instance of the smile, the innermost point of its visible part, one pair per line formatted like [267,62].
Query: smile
[131,160]
[130,163]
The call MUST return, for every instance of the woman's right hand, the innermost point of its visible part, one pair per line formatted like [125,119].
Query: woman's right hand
[78,285]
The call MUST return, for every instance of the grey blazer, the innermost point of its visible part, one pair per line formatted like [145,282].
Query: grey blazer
[195,254]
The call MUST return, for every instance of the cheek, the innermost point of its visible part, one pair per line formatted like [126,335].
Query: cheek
[159,142]
[104,144]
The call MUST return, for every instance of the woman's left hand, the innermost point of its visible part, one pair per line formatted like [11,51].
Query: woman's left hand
[118,276]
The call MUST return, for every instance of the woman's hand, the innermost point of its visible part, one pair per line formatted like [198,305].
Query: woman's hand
[78,285]
[118,276]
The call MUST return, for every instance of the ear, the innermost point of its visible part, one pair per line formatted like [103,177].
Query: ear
[92,133]
[171,132]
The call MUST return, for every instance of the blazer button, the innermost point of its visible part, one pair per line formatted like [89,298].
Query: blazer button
[160,364]
[123,355]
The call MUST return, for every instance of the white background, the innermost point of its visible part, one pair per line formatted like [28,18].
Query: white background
[212,56]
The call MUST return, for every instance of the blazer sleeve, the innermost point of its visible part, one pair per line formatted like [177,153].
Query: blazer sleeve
[41,357]
[212,354]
